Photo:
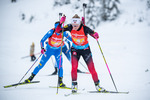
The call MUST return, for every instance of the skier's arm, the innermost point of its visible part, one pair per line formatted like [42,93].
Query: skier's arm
[68,27]
[68,42]
[87,30]
[67,36]
[46,36]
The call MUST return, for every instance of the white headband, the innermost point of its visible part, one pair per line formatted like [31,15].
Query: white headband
[75,21]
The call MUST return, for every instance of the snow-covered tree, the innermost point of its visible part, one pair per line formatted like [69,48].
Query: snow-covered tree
[148,4]
[96,11]
[61,2]
[101,10]
[13,1]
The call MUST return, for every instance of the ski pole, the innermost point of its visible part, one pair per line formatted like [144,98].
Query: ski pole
[83,66]
[106,65]
[30,68]
[29,55]
[84,6]
[60,55]
[79,61]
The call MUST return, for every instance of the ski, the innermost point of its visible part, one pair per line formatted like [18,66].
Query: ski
[77,72]
[71,94]
[22,83]
[108,92]
[83,72]
[75,93]
[30,56]
[69,88]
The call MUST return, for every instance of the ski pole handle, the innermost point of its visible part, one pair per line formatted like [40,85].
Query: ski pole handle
[84,5]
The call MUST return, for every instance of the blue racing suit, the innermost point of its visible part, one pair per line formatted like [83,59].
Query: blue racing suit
[66,52]
[51,50]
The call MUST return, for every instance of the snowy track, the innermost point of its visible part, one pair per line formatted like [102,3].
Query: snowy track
[125,44]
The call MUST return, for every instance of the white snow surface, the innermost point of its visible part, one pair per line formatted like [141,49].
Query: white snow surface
[125,43]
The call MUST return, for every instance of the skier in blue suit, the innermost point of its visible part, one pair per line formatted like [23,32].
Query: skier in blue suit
[53,48]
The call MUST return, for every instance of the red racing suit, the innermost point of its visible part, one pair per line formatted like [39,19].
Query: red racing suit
[80,47]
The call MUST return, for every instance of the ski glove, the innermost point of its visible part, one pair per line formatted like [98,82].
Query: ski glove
[95,35]
[83,20]
[43,51]
[58,29]
[62,20]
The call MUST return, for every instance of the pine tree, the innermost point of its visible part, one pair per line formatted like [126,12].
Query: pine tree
[13,1]
[148,4]
[61,2]
[101,10]
[97,11]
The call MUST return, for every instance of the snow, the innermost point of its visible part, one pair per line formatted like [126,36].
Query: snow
[125,44]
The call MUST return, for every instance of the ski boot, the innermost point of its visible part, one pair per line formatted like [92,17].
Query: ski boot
[30,78]
[55,72]
[33,57]
[61,84]
[98,88]
[74,86]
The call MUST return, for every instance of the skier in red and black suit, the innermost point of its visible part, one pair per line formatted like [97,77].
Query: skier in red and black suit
[80,47]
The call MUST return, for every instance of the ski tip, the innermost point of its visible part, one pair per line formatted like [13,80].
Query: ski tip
[21,83]
[117,92]
[87,72]
[84,72]
[127,92]
[123,92]
[5,86]
[52,75]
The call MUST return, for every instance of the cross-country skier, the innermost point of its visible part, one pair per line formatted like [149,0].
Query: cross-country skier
[80,47]
[53,47]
